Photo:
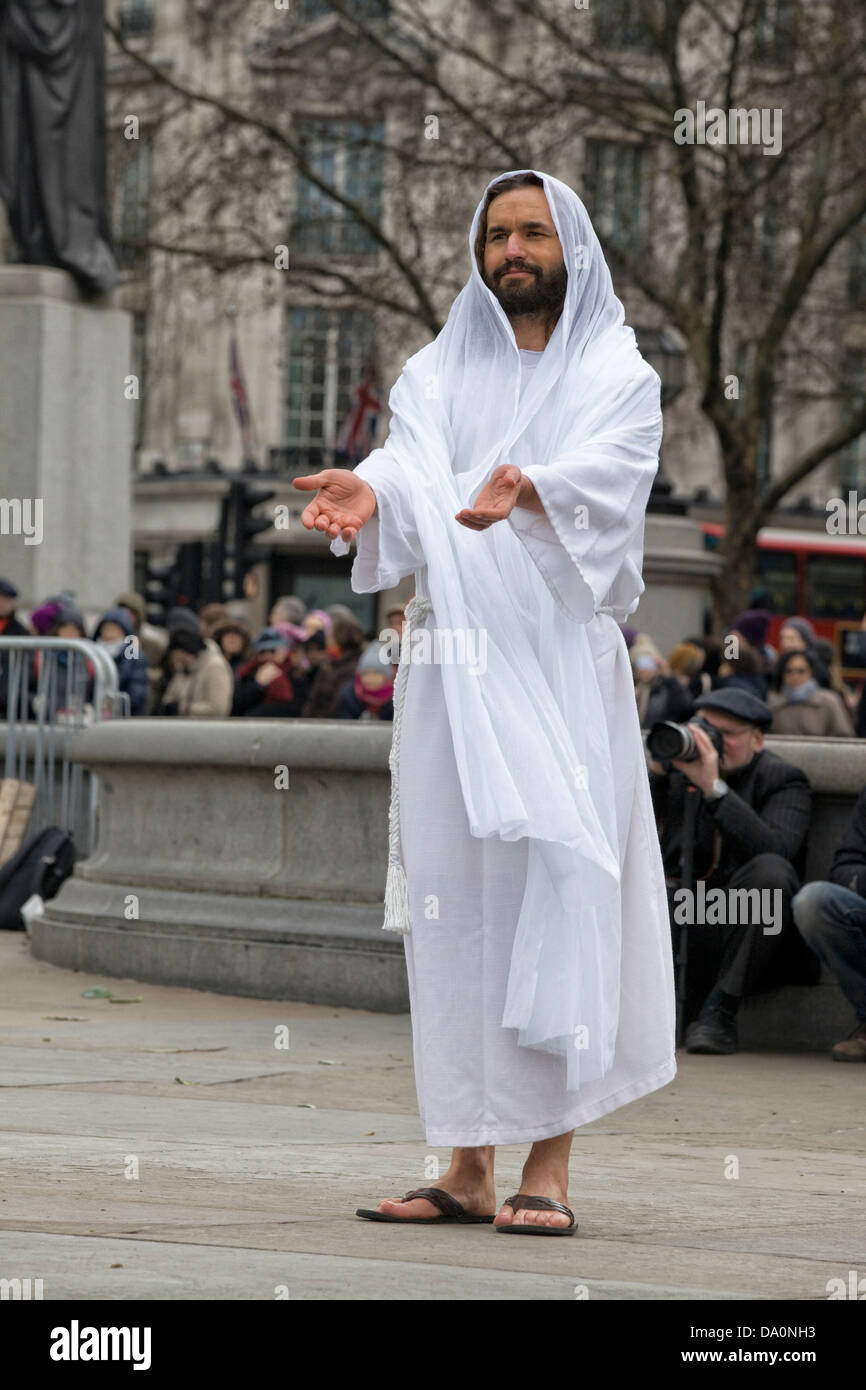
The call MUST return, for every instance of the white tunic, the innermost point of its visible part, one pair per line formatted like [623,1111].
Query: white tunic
[476,1085]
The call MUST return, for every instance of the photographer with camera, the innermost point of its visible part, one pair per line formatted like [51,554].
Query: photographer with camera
[731,816]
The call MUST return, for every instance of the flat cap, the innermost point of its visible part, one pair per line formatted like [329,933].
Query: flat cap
[741,703]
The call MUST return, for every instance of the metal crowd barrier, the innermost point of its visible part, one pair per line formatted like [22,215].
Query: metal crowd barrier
[54,686]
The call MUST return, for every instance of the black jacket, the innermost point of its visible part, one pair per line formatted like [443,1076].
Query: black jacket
[14,628]
[849,862]
[765,811]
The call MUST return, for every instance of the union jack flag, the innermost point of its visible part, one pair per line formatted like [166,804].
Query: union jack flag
[355,437]
[240,399]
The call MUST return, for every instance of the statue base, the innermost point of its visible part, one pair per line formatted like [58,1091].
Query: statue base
[66,431]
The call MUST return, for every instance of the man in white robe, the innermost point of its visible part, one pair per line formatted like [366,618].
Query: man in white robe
[524,866]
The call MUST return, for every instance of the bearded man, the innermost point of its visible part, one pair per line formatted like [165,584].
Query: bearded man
[524,866]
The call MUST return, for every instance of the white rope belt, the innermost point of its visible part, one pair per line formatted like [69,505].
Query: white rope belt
[396,888]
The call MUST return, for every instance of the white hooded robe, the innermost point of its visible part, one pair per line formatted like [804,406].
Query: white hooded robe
[478,917]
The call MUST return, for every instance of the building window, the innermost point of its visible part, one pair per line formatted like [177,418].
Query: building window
[136,18]
[773,38]
[133,203]
[329,350]
[619,25]
[857,265]
[613,181]
[348,156]
[851,461]
[763,451]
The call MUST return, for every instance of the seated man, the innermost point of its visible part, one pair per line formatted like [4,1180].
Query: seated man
[831,917]
[750,822]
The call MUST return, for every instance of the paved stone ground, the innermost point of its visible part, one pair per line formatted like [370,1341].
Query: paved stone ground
[251,1161]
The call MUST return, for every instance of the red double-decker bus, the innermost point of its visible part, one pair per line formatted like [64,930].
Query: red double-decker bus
[819,577]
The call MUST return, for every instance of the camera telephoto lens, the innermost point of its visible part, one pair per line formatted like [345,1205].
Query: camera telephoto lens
[667,740]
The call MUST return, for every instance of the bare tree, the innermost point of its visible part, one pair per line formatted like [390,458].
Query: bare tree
[739,240]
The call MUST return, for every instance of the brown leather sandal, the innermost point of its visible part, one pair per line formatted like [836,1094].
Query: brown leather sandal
[537,1204]
[452,1212]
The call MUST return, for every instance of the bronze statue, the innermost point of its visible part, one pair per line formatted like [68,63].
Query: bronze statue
[52,137]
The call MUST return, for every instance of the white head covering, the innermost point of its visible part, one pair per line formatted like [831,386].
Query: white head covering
[529,738]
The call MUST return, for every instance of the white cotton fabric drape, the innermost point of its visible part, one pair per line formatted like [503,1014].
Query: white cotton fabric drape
[530,739]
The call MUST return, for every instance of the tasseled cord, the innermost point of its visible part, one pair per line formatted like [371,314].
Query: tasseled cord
[396,888]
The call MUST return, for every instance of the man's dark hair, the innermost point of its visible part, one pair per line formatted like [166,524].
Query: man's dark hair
[507,185]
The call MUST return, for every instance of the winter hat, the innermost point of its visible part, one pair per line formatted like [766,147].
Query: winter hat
[323,617]
[43,618]
[70,615]
[7,589]
[232,625]
[292,634]
[804,627]
[114,615]
[752,625]
[271,639]
[371,659]
[183,640]
[213,613]
[182,618]
[135,603]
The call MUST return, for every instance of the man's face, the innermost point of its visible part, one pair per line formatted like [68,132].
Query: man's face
[740,740]
[7,605]
[523,263]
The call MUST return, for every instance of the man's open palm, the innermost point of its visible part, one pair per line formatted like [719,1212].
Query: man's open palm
[342,504]
[495,500]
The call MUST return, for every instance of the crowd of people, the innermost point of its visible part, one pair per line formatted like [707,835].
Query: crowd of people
[800,681]
[747,832]
[311,664]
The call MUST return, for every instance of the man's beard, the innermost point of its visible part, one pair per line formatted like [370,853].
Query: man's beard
[544,293]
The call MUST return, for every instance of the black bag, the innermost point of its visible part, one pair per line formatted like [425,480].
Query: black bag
[40,866]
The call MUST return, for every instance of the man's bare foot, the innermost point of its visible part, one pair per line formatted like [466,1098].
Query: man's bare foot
[475,1193]
[537,1183]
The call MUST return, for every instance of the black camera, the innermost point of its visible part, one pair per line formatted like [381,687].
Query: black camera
[668,740]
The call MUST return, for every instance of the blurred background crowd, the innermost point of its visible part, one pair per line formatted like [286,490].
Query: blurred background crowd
[311,664]
[800,678]
[319,664]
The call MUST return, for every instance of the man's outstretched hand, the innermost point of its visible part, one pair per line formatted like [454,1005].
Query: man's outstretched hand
[342,505]
[505,489]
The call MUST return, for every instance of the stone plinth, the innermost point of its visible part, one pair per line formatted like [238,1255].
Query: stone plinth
[66,431]
[677,571]
[209,871]
[207,874]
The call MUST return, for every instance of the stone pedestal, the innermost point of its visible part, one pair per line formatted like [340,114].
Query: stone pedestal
[677,570]
[65,438]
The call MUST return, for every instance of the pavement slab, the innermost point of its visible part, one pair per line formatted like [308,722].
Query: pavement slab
[192,1145]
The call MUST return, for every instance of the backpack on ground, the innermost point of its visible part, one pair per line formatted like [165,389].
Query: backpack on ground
[39,867]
